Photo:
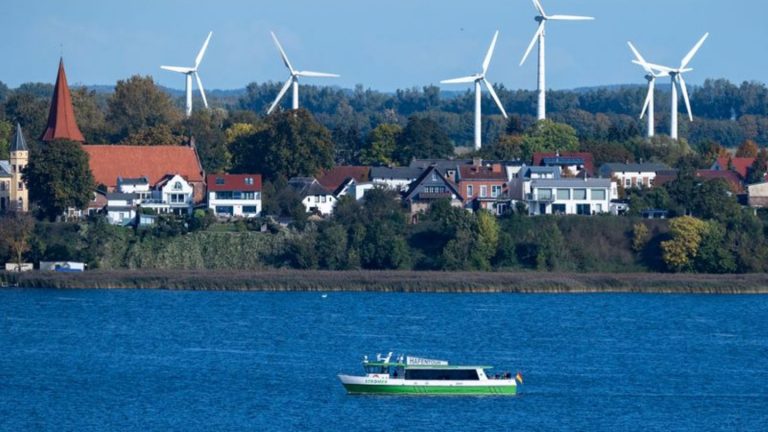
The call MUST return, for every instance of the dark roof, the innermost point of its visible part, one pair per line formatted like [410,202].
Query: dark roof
[415,185]
[133,181]
[609,168]
[5,168]
[307,186]
[234,182]
[733,179]
[18,143]
[441,164]
[527,171]
[473,172]
[334,177]
[396,173]
[588,160]
[61,117]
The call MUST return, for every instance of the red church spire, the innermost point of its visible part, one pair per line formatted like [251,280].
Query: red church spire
[61,119]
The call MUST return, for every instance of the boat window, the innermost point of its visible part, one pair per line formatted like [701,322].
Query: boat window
[441,374]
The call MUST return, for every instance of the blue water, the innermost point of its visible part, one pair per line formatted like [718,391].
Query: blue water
[202,361]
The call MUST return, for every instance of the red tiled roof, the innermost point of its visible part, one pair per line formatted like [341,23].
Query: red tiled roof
[589,161]
[233,182]
[61,117]
[473,172]
[108,162]
[334,177]
[740,164]
[729,176]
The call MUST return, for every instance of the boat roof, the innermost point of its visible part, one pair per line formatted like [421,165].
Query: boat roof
[407,366]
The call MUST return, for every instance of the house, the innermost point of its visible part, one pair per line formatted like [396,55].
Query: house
[13,190]
[739,165]
[234,195]
[633,175]
[732,178]
[571,196]
[333,178]
[395,178]
[122,208]
[314,196]
[571,164]
[757,195]
[431,186]
[172,194]
[481,185]
[447,167]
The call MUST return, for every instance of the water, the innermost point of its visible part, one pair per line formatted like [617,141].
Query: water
[201,361]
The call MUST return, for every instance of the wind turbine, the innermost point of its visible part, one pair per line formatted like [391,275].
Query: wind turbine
[189,71]
[477,79]
[651,76]
[542,19]
[293,80]
[676,75]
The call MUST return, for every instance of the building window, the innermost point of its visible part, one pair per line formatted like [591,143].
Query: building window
[219,180]
[21,186]
[226,195]
[495,191]
[250,209]
[249,180]
[483,191]
[583,209]
[177,199]
[563,194]
[628,182]
[2,186]
[323,198]
[224,210]
[177,186]
[470,191]
[580,194]
[598,194]
[544,194]
[434,189]
[558,208]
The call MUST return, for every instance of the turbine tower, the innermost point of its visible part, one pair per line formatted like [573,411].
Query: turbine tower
[293,80]
[651,76]
[189,71]
[477,79]
[676,75]
[542,19]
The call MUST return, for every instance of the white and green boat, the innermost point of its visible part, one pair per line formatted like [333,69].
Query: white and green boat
[420,376]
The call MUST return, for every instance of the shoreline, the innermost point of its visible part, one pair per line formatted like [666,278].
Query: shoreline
[393,281]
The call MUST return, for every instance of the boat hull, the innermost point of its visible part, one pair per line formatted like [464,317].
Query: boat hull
[356,385]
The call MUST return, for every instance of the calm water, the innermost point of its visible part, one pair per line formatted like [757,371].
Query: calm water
[201,361]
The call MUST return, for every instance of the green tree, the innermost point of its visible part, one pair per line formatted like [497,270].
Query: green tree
[640,237]
[381,144]
[59,177]
[759,168]
[292,144]
[15,231]
[206,128]
[138,104]
[332,247]
[153,135]
[681,250]
[548,136]
[422,138]
[747,149]
[487,239]
[90,116]
[6,132]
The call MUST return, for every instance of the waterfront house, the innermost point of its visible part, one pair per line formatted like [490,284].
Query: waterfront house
[395,178]
[314,197]
[571,196]
[172,194]
[481,185]
[234,195]
[13,189]
[633,175]
[431,186]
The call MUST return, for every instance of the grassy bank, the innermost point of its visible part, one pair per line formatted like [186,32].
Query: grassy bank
[396,281]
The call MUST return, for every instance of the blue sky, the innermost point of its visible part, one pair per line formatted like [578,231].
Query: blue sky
[380,44]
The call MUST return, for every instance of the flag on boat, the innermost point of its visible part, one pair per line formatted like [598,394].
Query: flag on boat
[519,377]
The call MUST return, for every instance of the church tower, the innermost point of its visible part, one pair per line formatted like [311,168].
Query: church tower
[61,118]
[18,193]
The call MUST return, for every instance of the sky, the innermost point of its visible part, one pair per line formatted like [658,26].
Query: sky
[383,45]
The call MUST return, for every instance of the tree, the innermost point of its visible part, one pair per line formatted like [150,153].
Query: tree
[759,168]
[380,146]
[422,138]
[487,239]
[292,144]
[59,177]
[6,131]
[15,230]
[206,128]
[138,104]
[747,149]
[90,116]
[687,234]
[548,136]
[153,135]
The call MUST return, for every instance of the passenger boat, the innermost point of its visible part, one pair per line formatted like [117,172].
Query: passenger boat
[421,376]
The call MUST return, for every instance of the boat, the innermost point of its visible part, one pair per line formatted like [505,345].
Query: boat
[421,376]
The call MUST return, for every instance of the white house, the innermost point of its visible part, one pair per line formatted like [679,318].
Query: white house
[122,207]
[314,196]
[172,194]
[397,178]
[633,175]
[579,196]
[235,195]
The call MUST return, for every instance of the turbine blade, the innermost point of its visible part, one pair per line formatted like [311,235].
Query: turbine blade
[202,90]
[280,95]
[640,58]
[316,74]
[537,5]
[200,55]
[659,68]
[685,96]
[282,53]
[569,18]
[462,80]
[495,97]
[533,42]
[179,69]
[649,97]
[687,59]
[489,54]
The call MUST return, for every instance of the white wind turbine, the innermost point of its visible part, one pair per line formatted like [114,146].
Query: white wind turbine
[542,19]
[676,75]
[293,80]
[651,76]
[477,79]
[189,71]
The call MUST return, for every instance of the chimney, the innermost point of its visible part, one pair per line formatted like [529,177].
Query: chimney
[496,168]
[477,162]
